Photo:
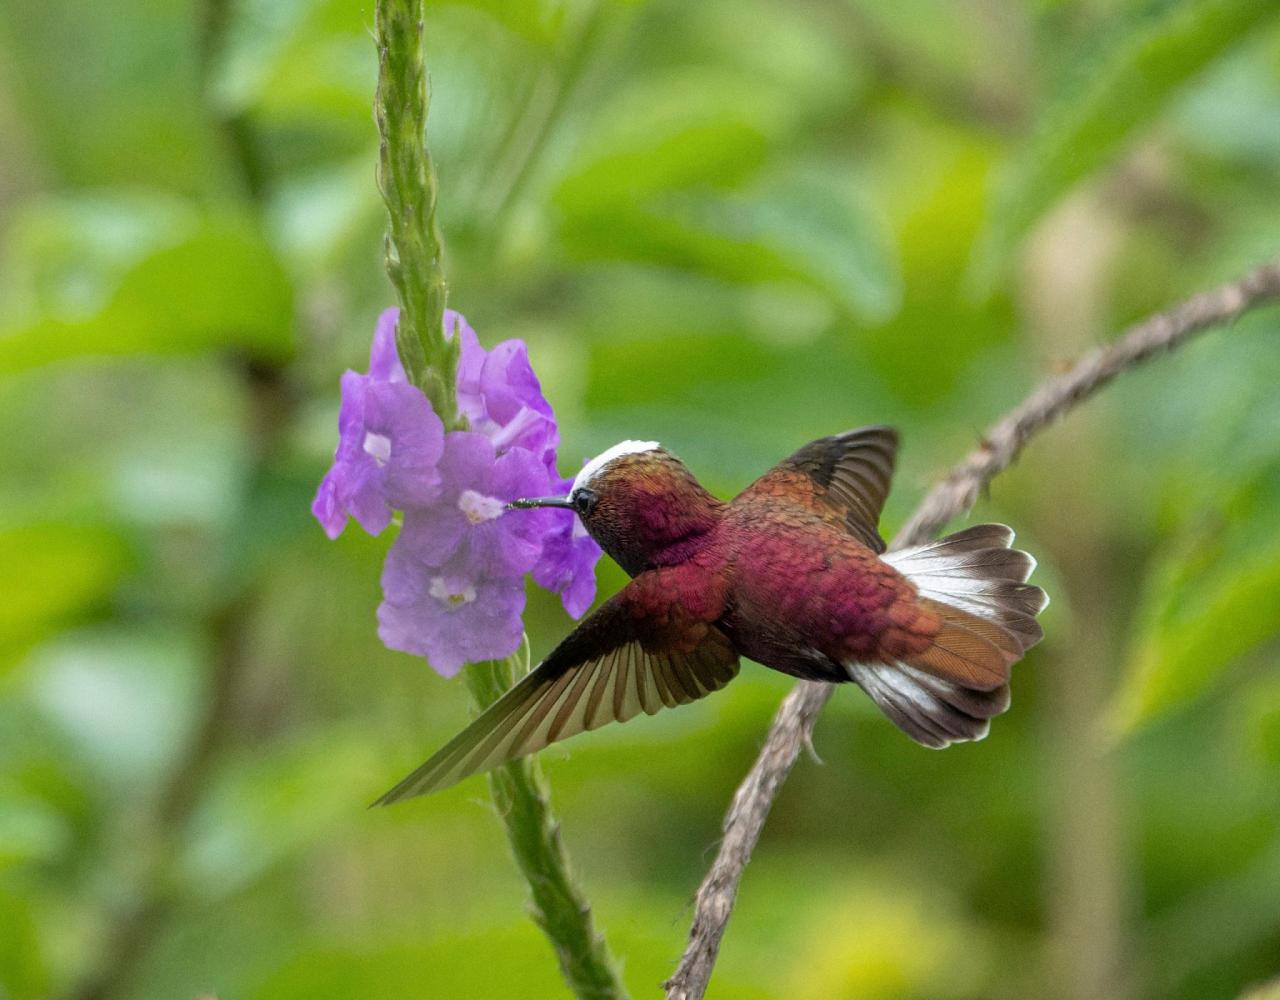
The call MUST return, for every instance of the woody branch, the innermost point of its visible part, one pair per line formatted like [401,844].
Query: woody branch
[793,723]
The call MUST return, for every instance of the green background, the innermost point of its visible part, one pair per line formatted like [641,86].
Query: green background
[732,225]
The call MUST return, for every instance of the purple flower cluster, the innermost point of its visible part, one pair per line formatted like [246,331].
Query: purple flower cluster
[453,583]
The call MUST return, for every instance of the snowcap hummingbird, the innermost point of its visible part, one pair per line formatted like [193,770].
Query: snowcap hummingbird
[791,573]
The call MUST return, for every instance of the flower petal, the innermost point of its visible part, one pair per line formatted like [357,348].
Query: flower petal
[569,558]
[360,492]
[508,383]
[471,358]
[467,462]
[353,389]
[528,429]
[579,594]
[402,414]
[326,508]
[453,582]
[519,473]
[433,533]
[354,483]
[452,619]
[384,360]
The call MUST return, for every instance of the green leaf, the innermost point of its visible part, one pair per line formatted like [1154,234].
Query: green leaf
[1210,604]
[674,176]
[688,363]
[927,347]
[65,570]
[793,231]
[94,684]
[1108,98]
[289,64]
[1182,660]
[716,153]
[67,253]
[222,286]
[23,975]
[443,967]
[1260,709]
[30,831]
[273,806]
[538,21]
[112,100]
[808,227]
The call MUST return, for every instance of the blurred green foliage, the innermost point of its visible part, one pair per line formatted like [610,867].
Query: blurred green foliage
[733,226]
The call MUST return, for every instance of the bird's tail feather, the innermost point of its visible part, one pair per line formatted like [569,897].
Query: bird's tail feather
[977,585]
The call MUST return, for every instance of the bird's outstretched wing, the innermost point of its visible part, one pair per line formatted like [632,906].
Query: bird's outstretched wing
[639,652]
[846,475]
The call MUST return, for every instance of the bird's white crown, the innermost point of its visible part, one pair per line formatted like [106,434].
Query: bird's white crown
[593,468]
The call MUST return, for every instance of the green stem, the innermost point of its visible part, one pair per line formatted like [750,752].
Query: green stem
[407,180]
[559,908]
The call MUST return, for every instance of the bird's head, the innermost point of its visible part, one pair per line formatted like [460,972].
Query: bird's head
[640,503]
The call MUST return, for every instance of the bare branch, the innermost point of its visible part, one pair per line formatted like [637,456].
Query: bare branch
[956,494]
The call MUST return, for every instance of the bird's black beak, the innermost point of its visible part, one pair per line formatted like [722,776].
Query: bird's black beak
[540,502]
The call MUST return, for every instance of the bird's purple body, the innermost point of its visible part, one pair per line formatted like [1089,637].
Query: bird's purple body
[792,574]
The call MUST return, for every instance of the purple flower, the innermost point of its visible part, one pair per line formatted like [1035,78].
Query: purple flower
[384,360]
[569,556]
[389,442]
[470,513]
[500,395]
[454,580]
[453,583]
[446,613]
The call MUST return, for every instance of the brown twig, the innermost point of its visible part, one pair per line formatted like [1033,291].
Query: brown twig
[1000,446]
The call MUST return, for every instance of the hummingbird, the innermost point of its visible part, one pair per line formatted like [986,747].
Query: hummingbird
[793,574]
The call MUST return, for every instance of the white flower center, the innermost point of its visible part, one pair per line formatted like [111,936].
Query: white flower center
[451,595]
[379,446]
[478,507]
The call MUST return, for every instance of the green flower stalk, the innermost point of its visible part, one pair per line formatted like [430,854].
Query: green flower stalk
[407,180]
[558,906]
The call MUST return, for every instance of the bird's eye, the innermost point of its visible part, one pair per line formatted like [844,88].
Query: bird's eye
[584,502]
